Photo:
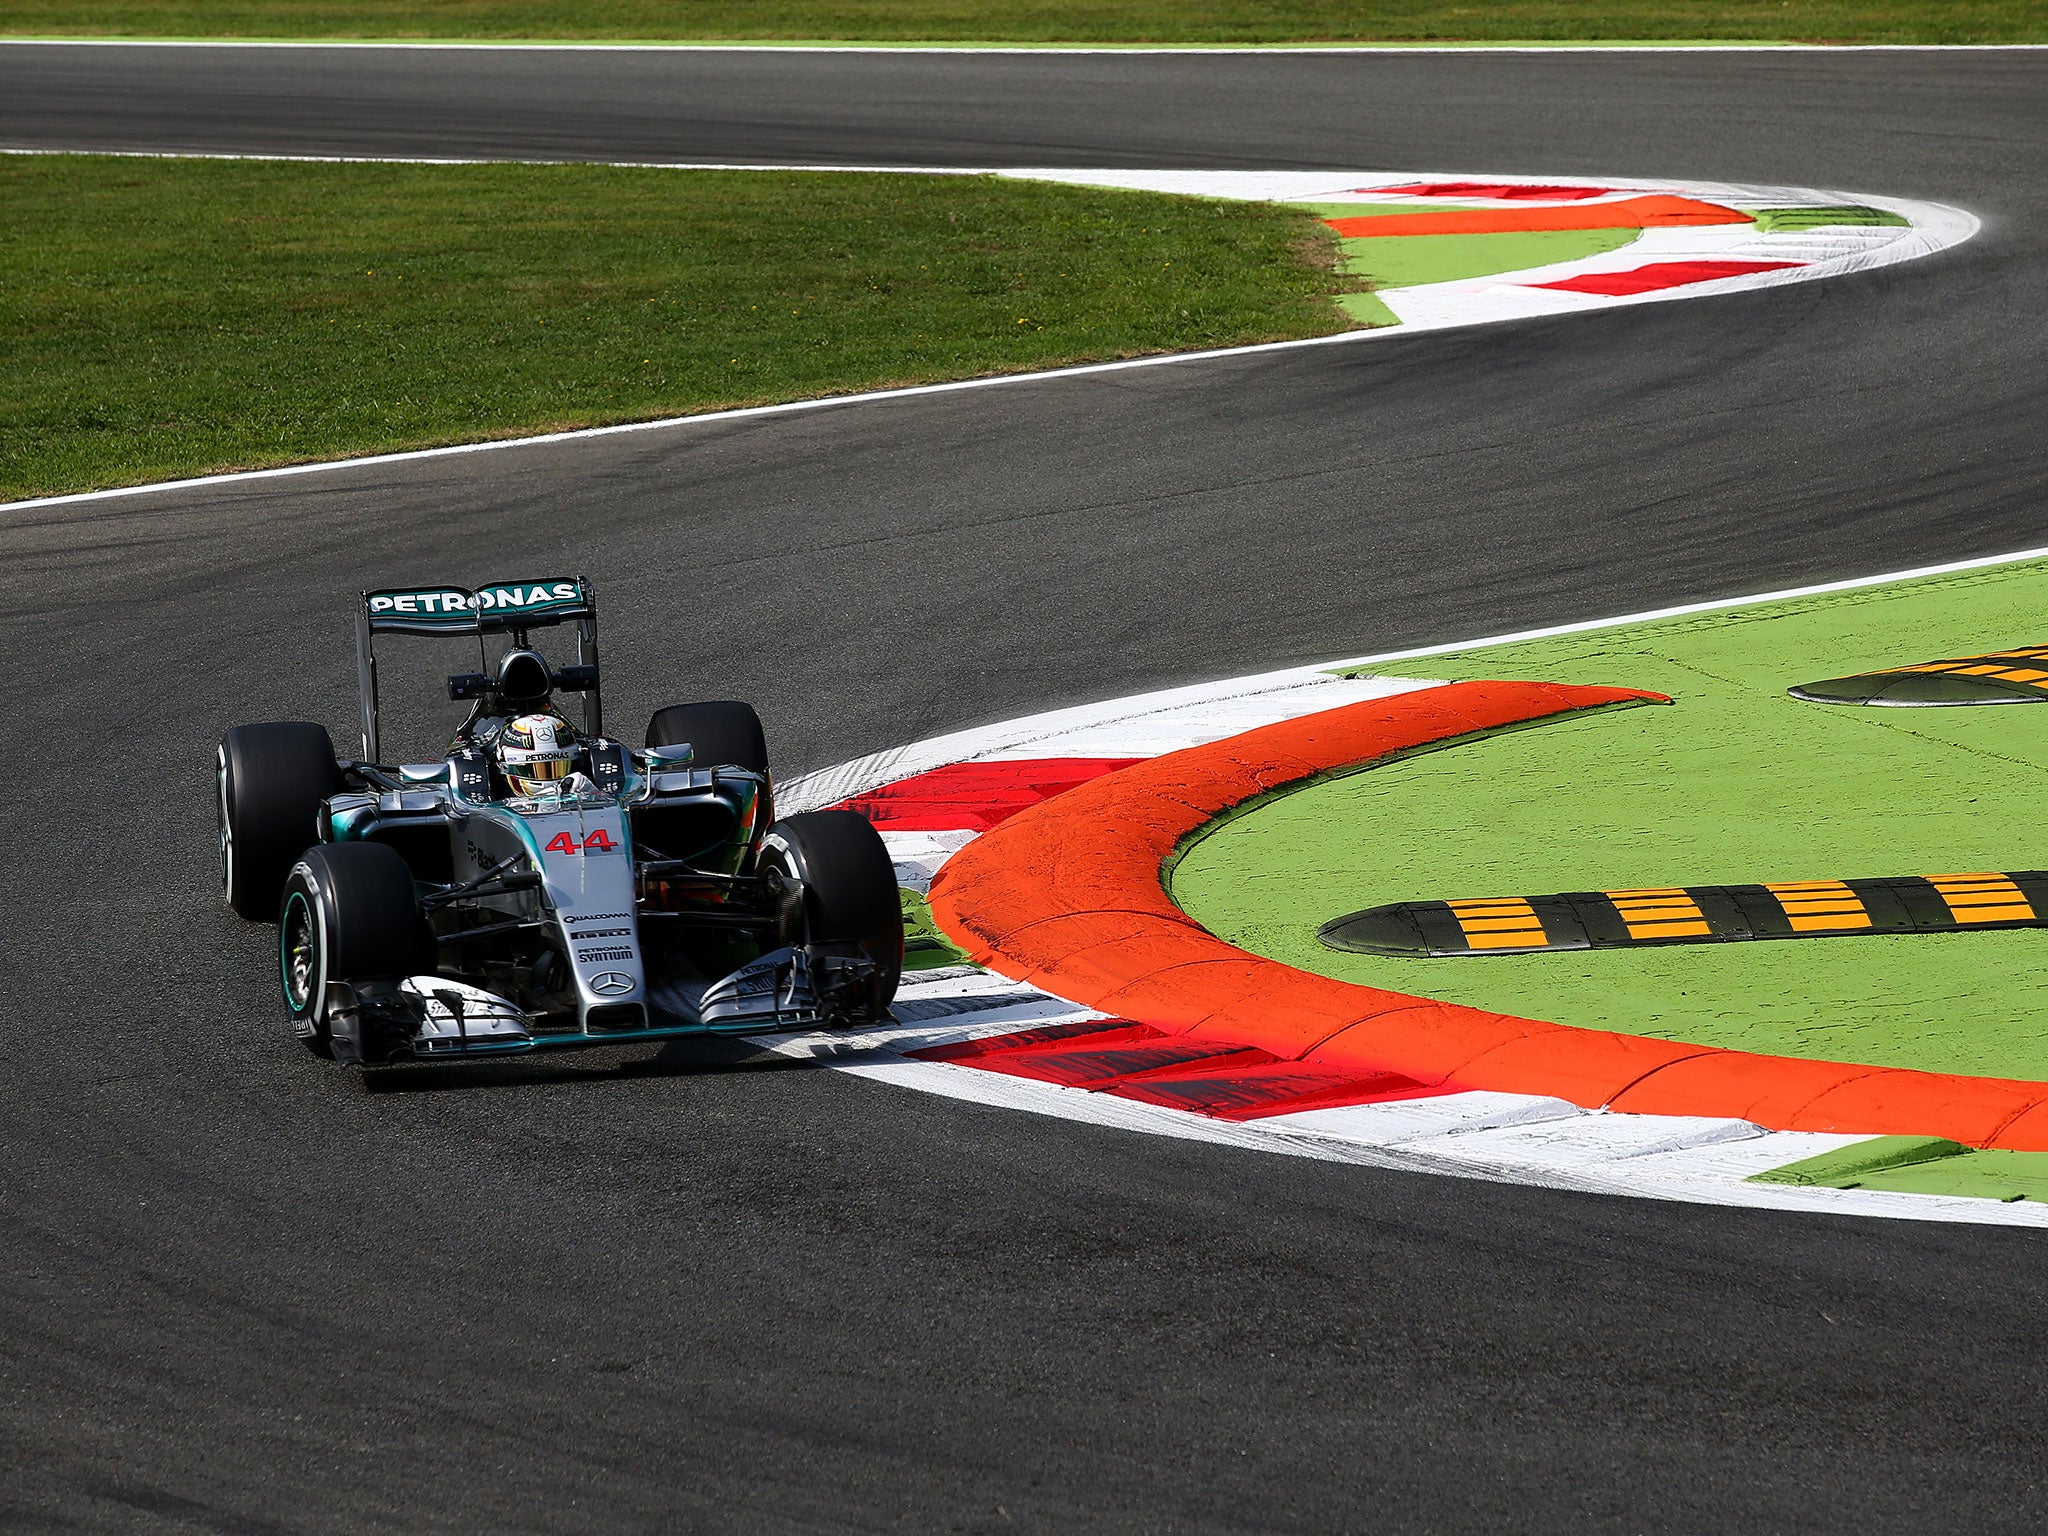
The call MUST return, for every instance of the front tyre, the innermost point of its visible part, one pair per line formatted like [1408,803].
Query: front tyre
[850,894]
[269,782]
[349,913]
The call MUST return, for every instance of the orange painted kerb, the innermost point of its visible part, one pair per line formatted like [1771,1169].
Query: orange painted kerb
[1658,211]
[1067,896]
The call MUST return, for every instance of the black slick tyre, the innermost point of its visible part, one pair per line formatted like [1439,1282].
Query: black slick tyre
[349,913]
[722,733]
[850,894]
[269,783]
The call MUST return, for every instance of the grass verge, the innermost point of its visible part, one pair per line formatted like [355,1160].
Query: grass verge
[1042,21]
[161,318]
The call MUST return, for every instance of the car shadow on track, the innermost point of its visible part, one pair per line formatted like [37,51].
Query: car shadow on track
[592,1064]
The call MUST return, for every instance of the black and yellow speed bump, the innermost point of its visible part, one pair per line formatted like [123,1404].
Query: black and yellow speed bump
[2017,676]
[1694,914]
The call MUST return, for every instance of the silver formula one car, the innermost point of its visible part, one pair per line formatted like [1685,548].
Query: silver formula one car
[540,886]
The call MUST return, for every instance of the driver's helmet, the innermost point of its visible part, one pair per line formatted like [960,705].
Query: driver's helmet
[536,753]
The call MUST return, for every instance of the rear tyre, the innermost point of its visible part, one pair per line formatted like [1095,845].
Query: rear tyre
[269,783]
[349,913]
[723,733]
[849,885]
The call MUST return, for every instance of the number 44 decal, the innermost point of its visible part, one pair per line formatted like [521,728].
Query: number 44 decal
[599,841]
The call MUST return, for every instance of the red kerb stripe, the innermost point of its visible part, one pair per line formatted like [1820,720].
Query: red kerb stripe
[1663,274]
[973,797]
[1501,191]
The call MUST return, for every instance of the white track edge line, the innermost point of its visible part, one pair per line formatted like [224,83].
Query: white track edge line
[859,774]
[1251,50]
[267,156]
[1962,226]
[1683,610]
[665,423]
[1023,1095]
[885,1061]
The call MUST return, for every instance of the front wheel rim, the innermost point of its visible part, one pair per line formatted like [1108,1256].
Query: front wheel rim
[781,858]
[227,828]
[295,949]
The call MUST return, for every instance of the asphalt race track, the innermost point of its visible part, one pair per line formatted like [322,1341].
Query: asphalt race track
[689,1293]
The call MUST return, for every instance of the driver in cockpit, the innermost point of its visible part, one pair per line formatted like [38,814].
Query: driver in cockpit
[538,755]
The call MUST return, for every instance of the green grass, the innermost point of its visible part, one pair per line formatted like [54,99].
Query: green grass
[1736,783]
[161,318]
[1034,21]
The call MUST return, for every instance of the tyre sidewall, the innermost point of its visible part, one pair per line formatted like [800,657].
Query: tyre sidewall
[722,733]
[850,893]
[354,908]
[269,783]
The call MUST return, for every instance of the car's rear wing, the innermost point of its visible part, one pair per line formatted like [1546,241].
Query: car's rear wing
[495,608]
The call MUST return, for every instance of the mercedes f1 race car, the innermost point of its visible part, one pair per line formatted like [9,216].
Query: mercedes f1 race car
[539,885]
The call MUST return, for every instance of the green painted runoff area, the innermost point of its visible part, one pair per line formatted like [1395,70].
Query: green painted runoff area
[1404,261]
[1101,22]
[1407,261]
[924,947]
[1921,1165]
[1368,309]
[1782,221]
[1736,783]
